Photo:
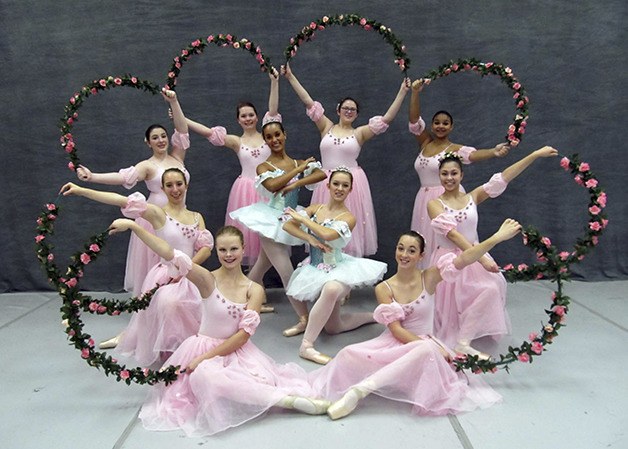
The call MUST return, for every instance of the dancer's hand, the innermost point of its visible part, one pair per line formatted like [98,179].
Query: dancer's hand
[501,149]
[287,189]
[303,165]
[508,229]
[120,225]
[285,71]
[273,74]
[418,85]
[83,173]
[71,189]
[169,95]
[489,265]
[193,364]
[546,151]
[314,242]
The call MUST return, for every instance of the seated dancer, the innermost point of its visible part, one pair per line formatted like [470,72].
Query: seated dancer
[328,275]
[406,362]
[475,304]
[225,379]
[278,178]
[174,311]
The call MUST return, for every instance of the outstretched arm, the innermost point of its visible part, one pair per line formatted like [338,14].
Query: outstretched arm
[499,150]
[415,110]
[364,133]
[273,96]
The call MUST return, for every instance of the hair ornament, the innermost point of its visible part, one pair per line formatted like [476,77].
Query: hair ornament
[342,169]
[449,155]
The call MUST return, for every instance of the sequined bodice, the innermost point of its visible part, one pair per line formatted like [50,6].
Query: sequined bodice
[467,219]
[180,236]
[336,151]
[221,316]
[251,157]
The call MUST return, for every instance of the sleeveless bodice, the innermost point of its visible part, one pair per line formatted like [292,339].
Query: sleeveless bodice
[334,257]
[418,314]
[220,316]
[157,196]
[179,235]
[467,219]
[336,151]
[427,169]
[250,158]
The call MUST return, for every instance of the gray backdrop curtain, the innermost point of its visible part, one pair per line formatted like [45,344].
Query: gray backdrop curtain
[570,56]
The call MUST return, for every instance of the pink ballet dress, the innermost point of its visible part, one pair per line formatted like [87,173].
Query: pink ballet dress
[173,313]
[414,372]
[308,280]
[140,258]
[224,391]
[337,151]
[474,305]
[431,188]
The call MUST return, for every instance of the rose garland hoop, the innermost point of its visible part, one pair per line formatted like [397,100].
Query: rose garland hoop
[551,264]
[199,45]
[518,126]
[74,302]
[307,33]
[70,115]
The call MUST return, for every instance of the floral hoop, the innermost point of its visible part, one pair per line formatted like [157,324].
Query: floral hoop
[518,126]
[197,47]
[70,116]
[307,34]
[74,302]
[551,264]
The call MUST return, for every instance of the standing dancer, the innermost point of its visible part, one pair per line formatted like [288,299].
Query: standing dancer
[432,145]
[278,178]
[406,363]
[139,258]
[226,380]
[341,144]
[173,313]
[329,274]
[475,304]
[251,151]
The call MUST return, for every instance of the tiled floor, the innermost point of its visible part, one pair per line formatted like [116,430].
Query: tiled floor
[574,396]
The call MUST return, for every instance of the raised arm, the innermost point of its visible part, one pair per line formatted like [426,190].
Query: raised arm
[322,123]
[423,137]
[273,96]
[367,132]
[507,230]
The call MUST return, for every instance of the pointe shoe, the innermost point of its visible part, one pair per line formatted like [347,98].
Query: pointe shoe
[109,344]
[311,406]
[311,354]
[463,347]
[297,329]
[346,404]
[266,309]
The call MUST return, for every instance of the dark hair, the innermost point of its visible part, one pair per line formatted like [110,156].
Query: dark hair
[343,170]
[415,235]
[173,170]
[450,157]
[274,123]
[357,105]
[150,129]
[243,104]
[230,230]
[451,119]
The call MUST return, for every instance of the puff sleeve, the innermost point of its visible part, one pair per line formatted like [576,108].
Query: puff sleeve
[135,206]
[388,313]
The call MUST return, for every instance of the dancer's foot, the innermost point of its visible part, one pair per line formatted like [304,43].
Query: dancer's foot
[111,343]
[297,329]
[464,347]
[311,406]
[311,354]
[346,404]
[266,309]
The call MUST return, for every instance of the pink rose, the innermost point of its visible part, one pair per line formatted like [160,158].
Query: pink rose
[124,374]
[93,306]
[367,27]
[508,266]
[236,45]
[564,162]
[90,342]
[595,226]
[115,313]
[102,82]
[196,43]
[488,65]
[118,81]
[447,71]
[71,332]
[85,258]
[94,248]
[595,240]
[525,238]
[51,206]
[171,75]
[210,38]
[520,104]
[522,267]
[578,180]
[184,52]
[516,86]
[533,336]
[39,238]
[537,347]
[540,257]
[363,21]
[546,241]
[71,282]
[248,45]
[455,67]
[134,80]
[312,25]
[177,65]
[601,199]
[559,310]
[72,100]
[604,223]
[591,184]
[563,255]
[101,310]
[145,371]
[583,167]
[594,210]
[467,67]
[229,37]
[71,166]
[50,257]
[85,353]
[523,357]
[40,221]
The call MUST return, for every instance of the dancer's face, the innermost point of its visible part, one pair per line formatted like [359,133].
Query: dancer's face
[229,249]
[450,175]
[340,186]
[247,118]
[158,140]
[174,186]
[274,137]
[348,110]
[442,126]
[408,252]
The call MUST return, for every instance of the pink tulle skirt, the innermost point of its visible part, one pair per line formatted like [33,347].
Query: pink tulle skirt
[222,392]
[139,260]
[415,372]
[360,203]
[471,307]
[172,316]
[243,194]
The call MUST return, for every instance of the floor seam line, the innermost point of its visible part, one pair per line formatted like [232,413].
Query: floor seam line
[460,433]
[599,315]
[127,430]
[26,314]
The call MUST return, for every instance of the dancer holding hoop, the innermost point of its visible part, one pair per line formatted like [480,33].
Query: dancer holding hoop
[341,144]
